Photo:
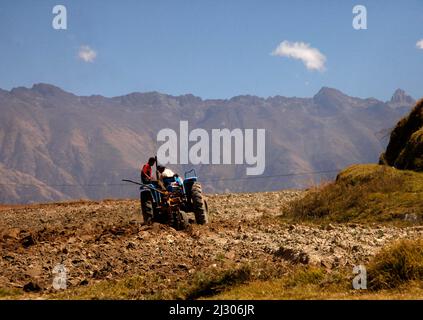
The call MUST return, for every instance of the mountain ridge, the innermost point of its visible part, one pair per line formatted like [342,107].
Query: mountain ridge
[398,95]
[59,138]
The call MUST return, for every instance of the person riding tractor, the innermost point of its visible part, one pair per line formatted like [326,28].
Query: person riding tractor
[169,198]
[147,171]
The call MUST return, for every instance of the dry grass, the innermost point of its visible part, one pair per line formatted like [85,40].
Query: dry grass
[127,288]
[207,284]
[199,285]
[276,290]
[364,193]
[396,272]
[396,265]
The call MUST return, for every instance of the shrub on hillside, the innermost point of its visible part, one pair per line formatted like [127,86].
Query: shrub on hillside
[396,265]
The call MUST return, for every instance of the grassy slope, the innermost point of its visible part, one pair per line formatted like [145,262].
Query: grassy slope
[365,193]
[361,193]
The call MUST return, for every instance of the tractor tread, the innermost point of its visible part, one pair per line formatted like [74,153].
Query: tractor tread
[199,204]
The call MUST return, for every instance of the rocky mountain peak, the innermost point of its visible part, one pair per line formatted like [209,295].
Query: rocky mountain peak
[46,89]
[326,92]
[401,97]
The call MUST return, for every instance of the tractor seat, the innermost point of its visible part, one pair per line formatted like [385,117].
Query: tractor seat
[173,183]
[168,181]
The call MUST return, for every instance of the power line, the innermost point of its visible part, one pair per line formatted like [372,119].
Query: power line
[97,185]
[273,176]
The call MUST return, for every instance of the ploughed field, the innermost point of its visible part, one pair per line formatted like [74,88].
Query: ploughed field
[105,241]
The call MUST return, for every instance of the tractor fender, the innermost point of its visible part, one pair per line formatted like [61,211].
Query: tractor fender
[153,195]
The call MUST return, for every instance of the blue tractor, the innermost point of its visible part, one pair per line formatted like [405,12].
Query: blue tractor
[169,203]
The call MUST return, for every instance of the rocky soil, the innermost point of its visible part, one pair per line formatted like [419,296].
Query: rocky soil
[106,241]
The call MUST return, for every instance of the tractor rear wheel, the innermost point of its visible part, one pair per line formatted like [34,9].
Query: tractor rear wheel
[199,204]
[146,207]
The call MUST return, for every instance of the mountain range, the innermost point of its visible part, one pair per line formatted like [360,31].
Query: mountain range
[55,145]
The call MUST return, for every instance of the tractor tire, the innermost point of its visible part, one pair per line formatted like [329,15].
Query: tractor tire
[147,208]
[199,204]
[180,220]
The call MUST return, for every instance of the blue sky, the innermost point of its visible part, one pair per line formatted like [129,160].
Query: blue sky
[212,49]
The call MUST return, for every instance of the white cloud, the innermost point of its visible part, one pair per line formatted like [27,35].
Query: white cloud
[312,58]
[419,44]
[87,54]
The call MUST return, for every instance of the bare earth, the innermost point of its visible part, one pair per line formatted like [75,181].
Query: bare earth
[105,241]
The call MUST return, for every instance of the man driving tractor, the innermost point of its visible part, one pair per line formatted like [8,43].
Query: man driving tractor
[165,172]
[165,175]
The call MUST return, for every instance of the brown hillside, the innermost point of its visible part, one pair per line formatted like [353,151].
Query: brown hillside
[405,148]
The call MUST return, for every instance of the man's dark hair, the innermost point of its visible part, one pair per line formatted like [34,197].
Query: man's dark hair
[151,161]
